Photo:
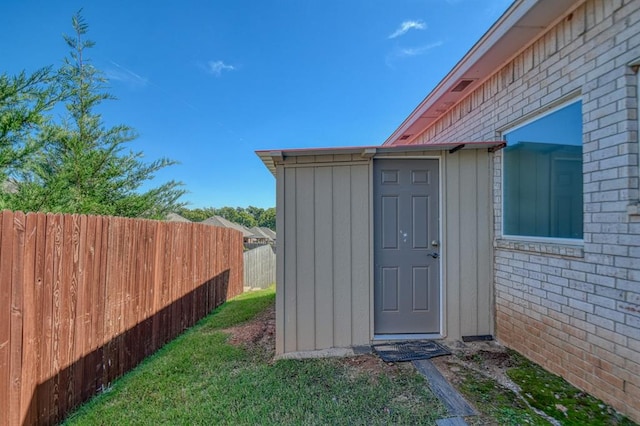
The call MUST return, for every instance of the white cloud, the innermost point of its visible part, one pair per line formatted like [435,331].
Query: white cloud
[416,51]
[217,67]
[408,25]
[125,75]
[406,52]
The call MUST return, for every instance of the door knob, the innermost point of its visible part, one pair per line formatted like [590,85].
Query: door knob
[434,254]
[435,243]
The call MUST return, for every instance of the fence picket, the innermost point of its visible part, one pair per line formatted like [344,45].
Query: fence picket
[6,258]
[259,267]
[85,298]
[30,332]
[17,305]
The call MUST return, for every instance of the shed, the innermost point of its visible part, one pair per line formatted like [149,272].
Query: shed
[382,243]
[564,225]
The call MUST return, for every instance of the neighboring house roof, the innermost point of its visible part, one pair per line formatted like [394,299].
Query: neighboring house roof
[9,186]
[224,223]
[175,217]
[268,232]
[523,23]
[259,233]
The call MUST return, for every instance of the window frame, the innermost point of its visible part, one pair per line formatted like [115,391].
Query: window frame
[535,116]
[633,209]
[636,67]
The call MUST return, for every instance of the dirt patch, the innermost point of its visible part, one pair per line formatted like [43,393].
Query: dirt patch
[259,332]
[486,358]
[366,363]
[369,363]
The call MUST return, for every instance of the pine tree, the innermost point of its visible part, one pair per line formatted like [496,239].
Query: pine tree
[83,166]
[23,102]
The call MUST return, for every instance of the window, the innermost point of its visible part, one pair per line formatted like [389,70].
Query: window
[542,176]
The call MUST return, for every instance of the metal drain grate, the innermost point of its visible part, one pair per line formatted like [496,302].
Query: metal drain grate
[409,351]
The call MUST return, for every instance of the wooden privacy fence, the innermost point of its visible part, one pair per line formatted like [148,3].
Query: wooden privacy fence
[260,267]
[83,299]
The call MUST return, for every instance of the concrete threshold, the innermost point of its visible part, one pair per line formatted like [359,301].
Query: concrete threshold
[456,405]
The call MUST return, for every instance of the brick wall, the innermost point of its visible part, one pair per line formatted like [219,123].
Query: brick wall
[575,309]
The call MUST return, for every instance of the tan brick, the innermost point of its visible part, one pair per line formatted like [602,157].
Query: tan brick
[614,381]
[632,409]
[575,332]
[596,361]
[532,330]
[608,357]
[575,369]
[604,390]
[578,381]
[572,352]
[633,367]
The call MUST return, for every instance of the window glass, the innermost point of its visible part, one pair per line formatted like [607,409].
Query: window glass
[543,176]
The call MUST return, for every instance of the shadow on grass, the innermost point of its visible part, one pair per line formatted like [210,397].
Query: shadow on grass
[240,309]
[53,399]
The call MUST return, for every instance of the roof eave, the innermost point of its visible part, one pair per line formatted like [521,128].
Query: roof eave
[521,24]
[271,158]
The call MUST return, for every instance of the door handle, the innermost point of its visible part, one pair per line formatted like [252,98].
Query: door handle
[434,254]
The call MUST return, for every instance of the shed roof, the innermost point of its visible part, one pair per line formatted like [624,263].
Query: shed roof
[523,23]
[271,157]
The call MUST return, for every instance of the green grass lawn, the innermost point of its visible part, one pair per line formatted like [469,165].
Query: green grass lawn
[200,378]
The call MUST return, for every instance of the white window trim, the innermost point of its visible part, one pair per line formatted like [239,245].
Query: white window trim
[534,116]
[634,208]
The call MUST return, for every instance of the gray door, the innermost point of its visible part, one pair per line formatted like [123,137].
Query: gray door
[407,268]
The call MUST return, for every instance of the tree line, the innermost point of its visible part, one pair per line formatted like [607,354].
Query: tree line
[250,216]
[75,164]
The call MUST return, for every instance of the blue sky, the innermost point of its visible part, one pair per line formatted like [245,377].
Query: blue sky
[207,83]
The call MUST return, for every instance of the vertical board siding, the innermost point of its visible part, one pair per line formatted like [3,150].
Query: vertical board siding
[341,233]
[323,272]
[305,233]
[467,239]
[259,267]
[323,298]
[484,247]
[290,309]
[280,259]
[360,255]
[83,299]
[469,250]
[451,245]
